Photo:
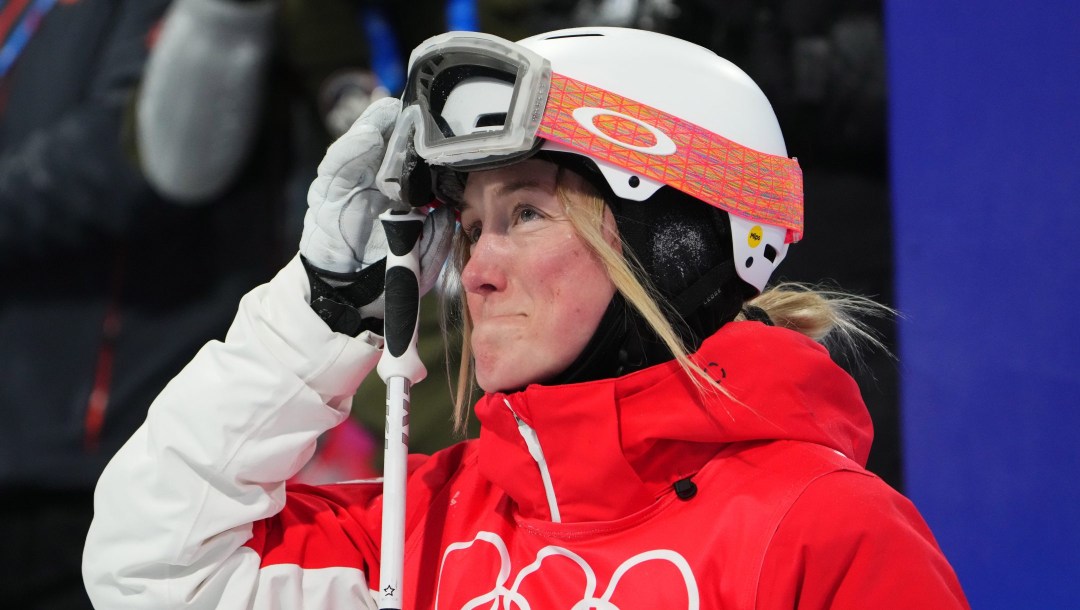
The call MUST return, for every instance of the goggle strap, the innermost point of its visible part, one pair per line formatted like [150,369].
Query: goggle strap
[642,139]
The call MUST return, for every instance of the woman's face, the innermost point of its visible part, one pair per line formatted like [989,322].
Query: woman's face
[535,291]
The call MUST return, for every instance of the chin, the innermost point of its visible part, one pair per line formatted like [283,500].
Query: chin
[499,383]
[504,378]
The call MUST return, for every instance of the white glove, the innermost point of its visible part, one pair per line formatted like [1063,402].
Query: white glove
[343,245]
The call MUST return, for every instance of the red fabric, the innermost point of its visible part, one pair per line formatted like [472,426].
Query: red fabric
[8,16]
[640,433]
[321,528]
[344,453]
[784,515]
[849,539]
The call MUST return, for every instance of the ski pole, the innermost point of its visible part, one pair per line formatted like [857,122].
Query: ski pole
[399,367]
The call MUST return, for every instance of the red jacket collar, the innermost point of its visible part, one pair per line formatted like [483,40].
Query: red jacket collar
[613,446]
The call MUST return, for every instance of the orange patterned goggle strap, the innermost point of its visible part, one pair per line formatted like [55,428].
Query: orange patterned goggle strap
[763,187]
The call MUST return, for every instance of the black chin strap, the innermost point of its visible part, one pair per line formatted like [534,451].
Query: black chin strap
[624,342]
[684,248]
[600,358]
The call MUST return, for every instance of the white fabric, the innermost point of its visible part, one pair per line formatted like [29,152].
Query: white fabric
[176,503]
[201,95]
[341,232]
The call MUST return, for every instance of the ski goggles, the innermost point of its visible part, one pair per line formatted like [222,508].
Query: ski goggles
[515,102]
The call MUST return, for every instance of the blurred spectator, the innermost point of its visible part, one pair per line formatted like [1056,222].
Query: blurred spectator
[108,290]
[226,78]
[822,64]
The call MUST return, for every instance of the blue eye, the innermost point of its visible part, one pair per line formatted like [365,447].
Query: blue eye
[472,233]
[526,213]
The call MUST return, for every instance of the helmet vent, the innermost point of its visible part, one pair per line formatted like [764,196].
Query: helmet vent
[634,181]
[749,261]
[586,35]
[427,70]
[770,253]
[493,119]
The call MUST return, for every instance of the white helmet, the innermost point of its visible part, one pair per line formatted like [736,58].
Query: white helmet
[647,109]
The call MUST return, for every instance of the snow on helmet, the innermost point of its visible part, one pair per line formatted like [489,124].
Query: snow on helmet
[647,109]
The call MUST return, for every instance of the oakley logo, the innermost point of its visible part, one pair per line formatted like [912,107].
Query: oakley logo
[625,131]
[667,573]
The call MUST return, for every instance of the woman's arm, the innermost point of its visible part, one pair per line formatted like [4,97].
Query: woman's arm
[175,507]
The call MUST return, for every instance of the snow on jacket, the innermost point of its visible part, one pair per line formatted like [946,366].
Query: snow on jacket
[637,492]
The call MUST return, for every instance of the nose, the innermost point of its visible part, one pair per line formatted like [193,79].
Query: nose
[485,272]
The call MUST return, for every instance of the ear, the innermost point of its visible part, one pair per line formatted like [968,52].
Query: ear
[611,230]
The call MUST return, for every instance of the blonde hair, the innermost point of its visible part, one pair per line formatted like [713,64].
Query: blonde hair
[829,317]
[837,320]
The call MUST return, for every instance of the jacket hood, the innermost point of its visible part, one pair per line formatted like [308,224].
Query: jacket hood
[613,446]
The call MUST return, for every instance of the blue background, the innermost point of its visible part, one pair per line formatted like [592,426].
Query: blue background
[984,137]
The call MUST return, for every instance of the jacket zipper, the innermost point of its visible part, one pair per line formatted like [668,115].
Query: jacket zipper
[533,443]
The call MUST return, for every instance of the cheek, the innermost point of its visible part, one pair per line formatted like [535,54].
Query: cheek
[580,290]
[566,262]
[472,303]
[565,291]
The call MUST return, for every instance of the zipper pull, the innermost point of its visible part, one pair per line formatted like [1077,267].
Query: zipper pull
[532,442]
[685,489]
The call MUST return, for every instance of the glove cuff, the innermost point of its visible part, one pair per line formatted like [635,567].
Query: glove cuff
[338,298]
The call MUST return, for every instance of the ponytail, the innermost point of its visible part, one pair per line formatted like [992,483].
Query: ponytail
[837,320]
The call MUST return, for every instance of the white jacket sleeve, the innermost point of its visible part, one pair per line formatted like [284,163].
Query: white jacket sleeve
[176,504]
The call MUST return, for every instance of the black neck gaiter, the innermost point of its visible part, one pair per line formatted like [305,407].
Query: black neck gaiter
[684,249]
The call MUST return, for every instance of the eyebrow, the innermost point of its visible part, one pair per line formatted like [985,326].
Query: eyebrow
[518,184]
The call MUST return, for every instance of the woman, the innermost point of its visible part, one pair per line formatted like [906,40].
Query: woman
[622,196]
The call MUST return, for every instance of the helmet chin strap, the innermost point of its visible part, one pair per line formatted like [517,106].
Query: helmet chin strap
[624,342]
[601,357]
[684,248]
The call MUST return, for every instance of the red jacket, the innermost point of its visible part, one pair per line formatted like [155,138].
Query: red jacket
[776,509]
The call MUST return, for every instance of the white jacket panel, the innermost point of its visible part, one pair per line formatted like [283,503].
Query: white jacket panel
[175,505]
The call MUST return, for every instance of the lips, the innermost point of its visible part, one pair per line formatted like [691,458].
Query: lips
[498,331]
[494,312]
[501,316]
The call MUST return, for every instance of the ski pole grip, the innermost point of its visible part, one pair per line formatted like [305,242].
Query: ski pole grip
[400,358]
